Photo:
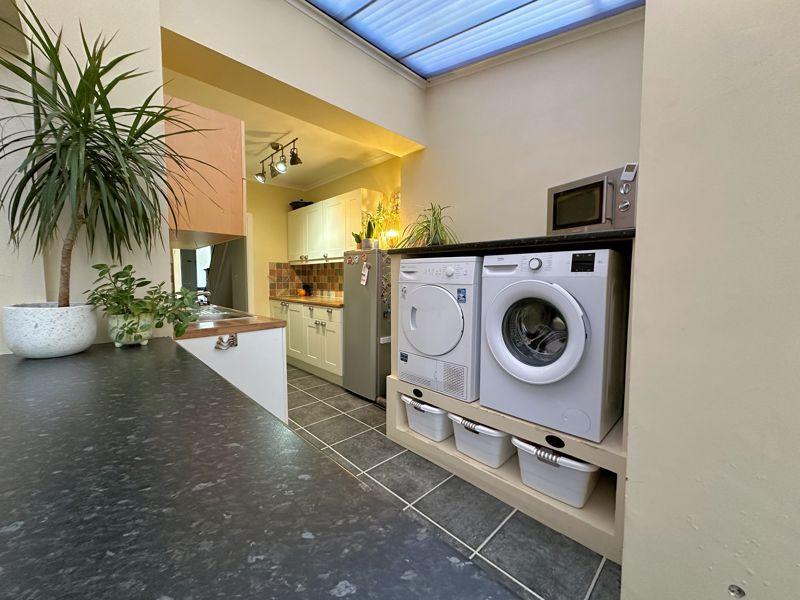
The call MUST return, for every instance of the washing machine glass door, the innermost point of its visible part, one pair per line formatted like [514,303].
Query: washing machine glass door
[432,320]
[536,331]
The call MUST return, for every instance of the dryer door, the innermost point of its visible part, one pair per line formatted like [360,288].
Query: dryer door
[432,320]
[536,331]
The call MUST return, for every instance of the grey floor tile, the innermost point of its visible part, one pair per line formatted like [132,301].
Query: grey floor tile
[346,402]
[409,475]
[381,429]
[465,511]
[293,373]
[337,429]
[307,382]
[552,565]
[608,584]
[317,443]
[293,425]
[326,390]
[502,578]
[342,462]
[299,398]
[306,415]
[369,449]
[368,484]
[371,415]
[428,529]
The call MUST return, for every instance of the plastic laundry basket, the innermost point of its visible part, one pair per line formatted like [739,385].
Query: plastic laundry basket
[427,420]
[484,444]
[556,475]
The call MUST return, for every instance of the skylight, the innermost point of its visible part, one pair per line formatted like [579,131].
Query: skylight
[432,37]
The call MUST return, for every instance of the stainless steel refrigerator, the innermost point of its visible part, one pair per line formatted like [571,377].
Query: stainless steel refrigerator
[367,323]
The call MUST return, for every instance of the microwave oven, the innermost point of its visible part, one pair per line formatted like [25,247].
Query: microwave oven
[603,201]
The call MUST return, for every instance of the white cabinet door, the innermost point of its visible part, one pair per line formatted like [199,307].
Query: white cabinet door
[315,348]
[335,210]
[352,220]
[279,310]
[317,235]
[332,347]
[297,234]
[296,334]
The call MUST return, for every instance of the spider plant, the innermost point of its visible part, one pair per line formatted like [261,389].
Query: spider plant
[102,165]
[430,229]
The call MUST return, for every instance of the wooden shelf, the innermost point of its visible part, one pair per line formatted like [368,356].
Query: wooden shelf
[608,454]
[594,525]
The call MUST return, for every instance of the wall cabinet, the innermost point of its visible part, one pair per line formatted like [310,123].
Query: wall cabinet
[215,197]
[322,232]
[313,334]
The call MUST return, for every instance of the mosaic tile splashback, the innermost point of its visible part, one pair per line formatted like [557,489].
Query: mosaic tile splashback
[325,279]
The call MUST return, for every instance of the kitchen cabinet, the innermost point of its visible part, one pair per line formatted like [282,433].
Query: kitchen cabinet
[215,202]
[332,344]
[322,232]
[313,334]
[296,344]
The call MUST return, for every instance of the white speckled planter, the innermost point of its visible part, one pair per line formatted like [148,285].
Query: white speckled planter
[116,321]
[46,331]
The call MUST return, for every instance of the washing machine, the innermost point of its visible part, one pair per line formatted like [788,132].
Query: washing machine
[553,339]
[439,324]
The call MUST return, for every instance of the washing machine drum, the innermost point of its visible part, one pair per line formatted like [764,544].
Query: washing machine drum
[432,320]
[536,331]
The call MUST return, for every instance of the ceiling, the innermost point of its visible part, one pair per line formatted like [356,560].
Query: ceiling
[326,155]
[432,37]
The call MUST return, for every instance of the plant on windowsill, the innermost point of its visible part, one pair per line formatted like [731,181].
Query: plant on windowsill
[131,320]
[430,229]
[98,168]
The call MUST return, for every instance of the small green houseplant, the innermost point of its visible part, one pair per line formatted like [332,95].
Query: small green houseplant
[131,319]
[430,229]
[100,169]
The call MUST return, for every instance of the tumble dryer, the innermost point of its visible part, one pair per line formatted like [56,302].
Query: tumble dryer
[553,339]
[439,331]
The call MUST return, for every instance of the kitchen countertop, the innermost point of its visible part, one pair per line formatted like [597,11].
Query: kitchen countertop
[313,300]
[614,239]
[227,326]
[139,473]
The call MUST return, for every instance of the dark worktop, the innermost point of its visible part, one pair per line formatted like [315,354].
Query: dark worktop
[138,473]
[614,239]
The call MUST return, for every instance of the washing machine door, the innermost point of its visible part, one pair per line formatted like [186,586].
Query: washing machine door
[432,320]
[536,331]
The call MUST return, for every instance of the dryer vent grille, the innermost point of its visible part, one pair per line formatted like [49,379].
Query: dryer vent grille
[454,379]
[408,377]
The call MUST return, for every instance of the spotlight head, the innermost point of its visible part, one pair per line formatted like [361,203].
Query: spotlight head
[281,165]
[273,172]
[261,177]
[275,145]
[294,157]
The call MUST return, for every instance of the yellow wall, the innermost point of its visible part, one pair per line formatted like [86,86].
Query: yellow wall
[383,177]
[269,205]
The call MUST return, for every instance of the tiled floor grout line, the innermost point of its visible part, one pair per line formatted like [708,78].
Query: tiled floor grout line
[386,488]
[427,518]
[491,535]
[430,490]
[322,420]
[594,579]
[512,578]
[403,451]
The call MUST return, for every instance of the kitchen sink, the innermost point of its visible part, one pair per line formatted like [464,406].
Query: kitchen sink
[218,313]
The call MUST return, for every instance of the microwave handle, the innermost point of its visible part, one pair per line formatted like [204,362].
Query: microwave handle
[608,201]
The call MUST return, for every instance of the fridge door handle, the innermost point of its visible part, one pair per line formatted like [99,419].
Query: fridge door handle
[386,339]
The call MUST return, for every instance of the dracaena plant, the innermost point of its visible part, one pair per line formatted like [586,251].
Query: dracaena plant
[430,229]
[102,165]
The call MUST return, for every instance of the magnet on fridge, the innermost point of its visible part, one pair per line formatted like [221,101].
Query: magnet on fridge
[365,273]
[349,260]
[363,258]
[355,259]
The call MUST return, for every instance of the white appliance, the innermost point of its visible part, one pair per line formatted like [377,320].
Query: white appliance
[439,331]
[553,339]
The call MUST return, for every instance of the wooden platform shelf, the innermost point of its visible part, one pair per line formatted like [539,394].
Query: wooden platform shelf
[598,525]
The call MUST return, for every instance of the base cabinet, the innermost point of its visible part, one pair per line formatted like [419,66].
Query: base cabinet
[313,334]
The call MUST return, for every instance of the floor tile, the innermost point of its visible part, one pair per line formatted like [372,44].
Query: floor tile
[371,415]
[326,390]
[552,565]
[307,382]
[317,443]
[293,425]
[336,429]
[467,512]
[503,578]
[409,475]
[369,449]
[370,485]
[312,413]
[429,529]
[293,373]
[608,584]
[299,398]
[342,462]
[381,429]
[346,402]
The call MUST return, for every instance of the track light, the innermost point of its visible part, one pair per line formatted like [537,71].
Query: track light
[277,168]
[294,157]
[281,164]
[273,172]
[262,176]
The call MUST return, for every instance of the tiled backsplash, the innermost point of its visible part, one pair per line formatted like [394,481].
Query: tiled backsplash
[326,279]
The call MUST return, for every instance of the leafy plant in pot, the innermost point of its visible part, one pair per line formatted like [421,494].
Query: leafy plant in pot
[131,320]
[99,168]
[430,229]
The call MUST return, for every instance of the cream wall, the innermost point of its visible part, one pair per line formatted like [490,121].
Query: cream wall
[499,138]
[277,39]
[383,177]
[269,205]
[713,449]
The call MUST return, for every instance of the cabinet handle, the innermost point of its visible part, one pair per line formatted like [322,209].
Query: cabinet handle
[323,323]
[330,310]
[223,344]
[325,256]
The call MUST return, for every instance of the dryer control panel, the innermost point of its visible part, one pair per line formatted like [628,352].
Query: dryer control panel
[464,272]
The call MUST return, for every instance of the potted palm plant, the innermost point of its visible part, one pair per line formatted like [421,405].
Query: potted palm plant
[430,229]
[89,167]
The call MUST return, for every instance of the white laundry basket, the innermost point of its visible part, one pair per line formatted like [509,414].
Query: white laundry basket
[484,444]
[427,420]
[567,479]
